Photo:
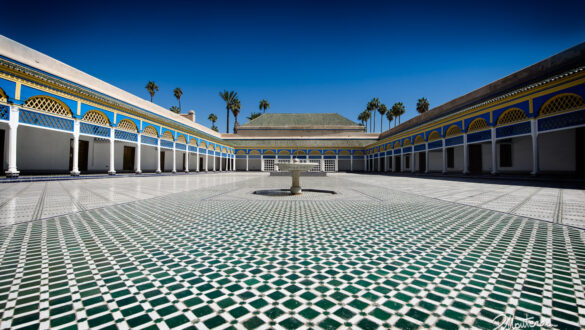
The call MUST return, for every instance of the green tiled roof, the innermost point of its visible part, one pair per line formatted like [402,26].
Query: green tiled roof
[299,120]
[298,143]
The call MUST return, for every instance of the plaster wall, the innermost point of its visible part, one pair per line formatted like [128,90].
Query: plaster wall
[41,150]
[436,160]
[556,151]
[521,155]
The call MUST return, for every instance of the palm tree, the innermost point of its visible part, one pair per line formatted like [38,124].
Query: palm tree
[178,93]
[398,110]
[175,109]
[152,88]
[264,105]
[372,106]
[254,115]
[382,110]
[422,105]
[390,117]
[213,118]
[363,117]
[236,111]
[229,99]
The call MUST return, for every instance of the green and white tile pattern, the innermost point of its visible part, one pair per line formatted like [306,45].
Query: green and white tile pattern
[371,257]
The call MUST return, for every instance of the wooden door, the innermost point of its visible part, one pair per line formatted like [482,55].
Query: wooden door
[475,158]
[129,154]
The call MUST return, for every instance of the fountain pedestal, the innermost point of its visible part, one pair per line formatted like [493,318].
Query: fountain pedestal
[295,168]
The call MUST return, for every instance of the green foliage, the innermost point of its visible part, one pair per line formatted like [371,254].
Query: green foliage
[372,106]
[178,93]
[254,115]
[212,118]
[213,127]
[152,88]
[229,98]
[422,105]
[264,105]
[175,109]
[382,109]
[398,109]
[390,117]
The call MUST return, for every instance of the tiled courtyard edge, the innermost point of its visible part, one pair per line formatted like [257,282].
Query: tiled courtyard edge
[208,253]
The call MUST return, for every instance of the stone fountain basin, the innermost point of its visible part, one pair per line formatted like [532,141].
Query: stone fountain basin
[295,168]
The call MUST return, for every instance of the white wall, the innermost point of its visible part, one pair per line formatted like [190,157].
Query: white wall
[240,164]
[41,150]
[148,159]
[254,165]
[458,160]
[358,164]
[521,155]
[343,165]
[486,157]
[556,151]
[436,160]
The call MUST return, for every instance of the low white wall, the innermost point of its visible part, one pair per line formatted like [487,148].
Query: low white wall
[148,159]
[521,156]
[41,150]
[254,165]
[562,145]
[358,165]
[343,165]
[436,160]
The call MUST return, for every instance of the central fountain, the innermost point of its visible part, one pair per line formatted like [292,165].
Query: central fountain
[295,168]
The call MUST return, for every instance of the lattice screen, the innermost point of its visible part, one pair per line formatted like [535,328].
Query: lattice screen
[434,136]
[193,142]
[127,125]
[396,145]
[96,117]
[453,131]
[181,139]
[329,165]
[269,165]
[150,131]
[48,105]
[419,139]
[167,136]
[479,124]
[512,116]
[406,143]
[561,103]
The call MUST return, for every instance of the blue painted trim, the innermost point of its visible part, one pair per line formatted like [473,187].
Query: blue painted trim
[570,119]
[513,130]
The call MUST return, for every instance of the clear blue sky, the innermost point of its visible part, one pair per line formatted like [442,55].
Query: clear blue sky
[301,56]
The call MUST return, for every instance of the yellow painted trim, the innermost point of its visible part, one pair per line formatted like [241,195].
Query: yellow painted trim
[79,108]
[17,90]
[530,106]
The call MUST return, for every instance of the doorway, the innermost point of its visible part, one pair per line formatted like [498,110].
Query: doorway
[475,158]
[201,164]
[162,161]
[422,162]
[383,164]
[579,154]
[2,151]
[129,156]
[83,155]
[397,164]
[184,162]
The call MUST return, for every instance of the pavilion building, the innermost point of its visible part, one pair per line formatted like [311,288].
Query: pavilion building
[57,119]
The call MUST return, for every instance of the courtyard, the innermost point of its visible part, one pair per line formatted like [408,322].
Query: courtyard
[204,251]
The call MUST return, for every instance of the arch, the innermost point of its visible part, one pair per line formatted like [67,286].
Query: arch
[329,153]
[419,139]
[96,117]
[396,145]
[150,131]
[48,104]
[511,116]
[434,136]
[127,125]
[315,153]
[167,136]
[561,103]
[218,148]
[406,143]
[344,153]
[181,139]
[478,124]
[203,144]
[358,153]
[254,152]
[269,152]
[283,153]
[300,153]
[240,152]
[193,142]
[224,149]
[454,130]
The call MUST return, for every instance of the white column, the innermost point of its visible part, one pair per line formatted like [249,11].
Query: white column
[158,151]
[139,154]
[247,163]
[444,158]
[197,162]
[75,165]
[465,155]
[261,163]
[494,152]
[427,162]
[174,158]
[206,161]
[534,133]
[351,163]
[112,170]
[322,163]
[214,160]
[336,163]
[412,161]
[220,162]
[186,159]
[12,171]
